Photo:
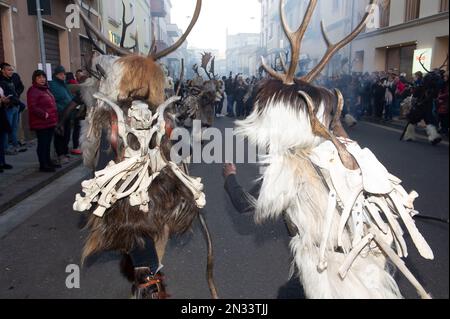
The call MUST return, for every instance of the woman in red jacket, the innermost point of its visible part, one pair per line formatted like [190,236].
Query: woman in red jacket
[43,117]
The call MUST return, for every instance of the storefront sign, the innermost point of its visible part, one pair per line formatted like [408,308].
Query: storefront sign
[424,56]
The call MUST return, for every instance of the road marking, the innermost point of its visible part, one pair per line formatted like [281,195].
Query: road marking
[18,214]
[387,128]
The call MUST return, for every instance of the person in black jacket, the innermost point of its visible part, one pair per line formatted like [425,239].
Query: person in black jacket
[229,90]
[243,201]
[239,94]
[378,92]
[12,108]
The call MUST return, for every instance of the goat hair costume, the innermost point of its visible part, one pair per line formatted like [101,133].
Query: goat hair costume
[143,192]
[345,204]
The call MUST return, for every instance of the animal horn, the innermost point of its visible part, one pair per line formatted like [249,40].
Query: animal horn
[176,45]
[332,49]
[320,130]
[98,34]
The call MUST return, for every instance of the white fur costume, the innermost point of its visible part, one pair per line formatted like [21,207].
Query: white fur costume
[347,220]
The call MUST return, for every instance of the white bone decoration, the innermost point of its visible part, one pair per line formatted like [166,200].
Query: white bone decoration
[103,190]
[363,197]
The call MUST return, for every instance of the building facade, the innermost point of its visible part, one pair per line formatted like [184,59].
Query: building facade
[409,28]
[167,33]
[242,50]
[20,40]
[139,33]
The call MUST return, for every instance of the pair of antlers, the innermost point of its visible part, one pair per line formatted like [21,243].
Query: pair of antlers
[206,58]
[295,40]
[121,51]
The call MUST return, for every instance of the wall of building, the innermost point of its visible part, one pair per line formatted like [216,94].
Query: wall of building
[21,41]
[429,31]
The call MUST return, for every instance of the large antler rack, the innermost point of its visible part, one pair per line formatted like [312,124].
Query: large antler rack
[295,39]
[152,52]
[206,58]
[332,49]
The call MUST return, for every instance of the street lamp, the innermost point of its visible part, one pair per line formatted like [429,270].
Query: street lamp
[41,33]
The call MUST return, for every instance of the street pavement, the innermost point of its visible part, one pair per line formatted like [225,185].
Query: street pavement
[41,236]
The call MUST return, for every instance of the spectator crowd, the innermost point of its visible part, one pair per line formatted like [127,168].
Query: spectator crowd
[48,104]
[55,108]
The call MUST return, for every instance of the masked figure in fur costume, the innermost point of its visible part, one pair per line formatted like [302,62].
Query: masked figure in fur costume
[200,100]
[343,202]
[422,105]
[142,197]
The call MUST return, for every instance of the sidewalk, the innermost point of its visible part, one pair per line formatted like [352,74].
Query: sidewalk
[25,178]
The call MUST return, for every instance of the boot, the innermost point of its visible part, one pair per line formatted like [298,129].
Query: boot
[410,134]
[350,121]
[148,286]
[433,135]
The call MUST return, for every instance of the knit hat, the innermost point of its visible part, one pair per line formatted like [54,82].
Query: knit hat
[59,69]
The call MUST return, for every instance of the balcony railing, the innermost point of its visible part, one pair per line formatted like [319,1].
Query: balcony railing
[158,8]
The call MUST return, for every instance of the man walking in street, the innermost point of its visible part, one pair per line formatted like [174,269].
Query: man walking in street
[229,89]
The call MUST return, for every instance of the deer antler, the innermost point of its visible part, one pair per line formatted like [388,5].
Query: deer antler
[211,69]
[176,45]
[443,64]
[181,78]
[421,63]
[332,49]
[195,68]
[320,130]
[125,26]
[283,63]
[428,71]
[98,34]
[89,34]
[206,57]
[295,40]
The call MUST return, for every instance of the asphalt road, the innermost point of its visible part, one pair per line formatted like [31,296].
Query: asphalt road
[41,236]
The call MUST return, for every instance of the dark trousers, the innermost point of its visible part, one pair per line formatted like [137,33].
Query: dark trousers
[218,107]
[240,108]
[443,120]
[44,138]
[379,107]
[388,111]
[62,142]
[2,147]
[230,104]
[145,256]
[76,134]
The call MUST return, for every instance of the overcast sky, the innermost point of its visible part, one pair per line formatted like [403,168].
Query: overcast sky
[239,16]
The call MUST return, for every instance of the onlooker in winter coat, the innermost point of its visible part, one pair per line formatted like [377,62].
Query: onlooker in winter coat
[63,100]
[43,118]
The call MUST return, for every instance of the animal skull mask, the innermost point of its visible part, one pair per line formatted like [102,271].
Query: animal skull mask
[140,166]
